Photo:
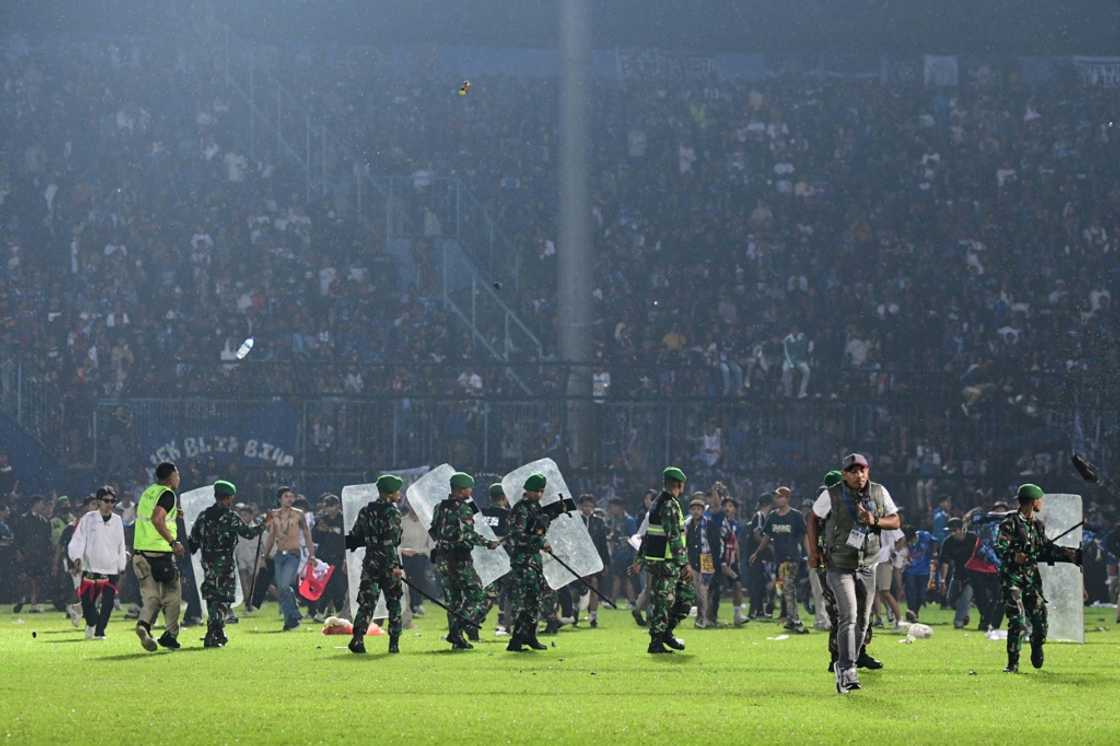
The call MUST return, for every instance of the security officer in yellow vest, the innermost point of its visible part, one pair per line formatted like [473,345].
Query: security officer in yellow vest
[155,546]
[853,512]
[664,554]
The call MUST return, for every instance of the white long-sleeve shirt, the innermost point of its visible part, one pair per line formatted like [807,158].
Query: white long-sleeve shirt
[99,544]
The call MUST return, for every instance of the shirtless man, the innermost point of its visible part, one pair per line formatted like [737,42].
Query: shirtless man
[289,524]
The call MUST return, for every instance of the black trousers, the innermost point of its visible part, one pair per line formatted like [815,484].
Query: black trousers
[260,590]
[417,569]
[714,597]
[97,600]
[988,597]
[757,580]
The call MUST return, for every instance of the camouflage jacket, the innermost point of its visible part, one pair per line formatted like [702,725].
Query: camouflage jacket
[216,531]
[526,536]
[453,528]
[378,529]
[1020,535]
[665,513]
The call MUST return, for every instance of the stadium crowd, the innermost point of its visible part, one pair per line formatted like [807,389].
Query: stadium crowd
[755,240]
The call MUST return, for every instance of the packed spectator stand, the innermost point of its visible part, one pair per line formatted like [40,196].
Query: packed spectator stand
[772,257]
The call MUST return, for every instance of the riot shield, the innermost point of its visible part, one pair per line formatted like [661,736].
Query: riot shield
[1063,585]
[431,489]
[567,535]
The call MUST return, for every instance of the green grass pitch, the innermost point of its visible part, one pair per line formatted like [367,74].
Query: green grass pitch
[595,686]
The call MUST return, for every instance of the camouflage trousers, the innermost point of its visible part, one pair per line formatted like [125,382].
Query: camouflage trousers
[834,617]
[1023,603]
[670,599]
[219,586]
[526,594]
[463,591]
[550,601]
[787,576]
[377,579]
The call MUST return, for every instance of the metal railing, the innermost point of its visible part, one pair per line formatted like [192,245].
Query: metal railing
[351,434]
[37,406]
[441,209]
[494,325]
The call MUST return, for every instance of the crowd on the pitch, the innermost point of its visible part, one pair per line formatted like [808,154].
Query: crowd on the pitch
[748,558]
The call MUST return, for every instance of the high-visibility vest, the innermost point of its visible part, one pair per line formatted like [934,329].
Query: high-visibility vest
[655,544]
[146,538]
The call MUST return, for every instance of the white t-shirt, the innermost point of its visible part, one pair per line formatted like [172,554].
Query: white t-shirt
[887,540]
[823,505]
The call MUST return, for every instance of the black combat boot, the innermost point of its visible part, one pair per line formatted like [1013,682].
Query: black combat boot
[472,633]
[213,637]
[657,646]
[516,641]
[167,641]
[1012,663]
[551,627]
[458,642]
[357,645]
[394,643]
[532,640]
[670,641]
[1036,652]
[866,661]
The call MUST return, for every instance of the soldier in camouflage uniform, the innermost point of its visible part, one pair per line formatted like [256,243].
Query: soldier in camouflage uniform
[215,534]
[526,541]
[1021,545]
[664,555]
[453,531]
[378,529]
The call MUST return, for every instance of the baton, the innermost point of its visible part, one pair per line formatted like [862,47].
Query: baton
[461,618]
[256,570]
[583,582]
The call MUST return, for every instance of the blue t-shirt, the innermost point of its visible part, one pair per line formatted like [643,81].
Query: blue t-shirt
[940,525]
[920,550]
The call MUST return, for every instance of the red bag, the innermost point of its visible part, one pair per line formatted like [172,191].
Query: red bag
[315,579]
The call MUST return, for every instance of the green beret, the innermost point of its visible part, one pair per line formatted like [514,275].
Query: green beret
[1029,493]
[496,490]
[460,480]
[674,474]
[535,483]
[222,488]
[389,483]
[833,478]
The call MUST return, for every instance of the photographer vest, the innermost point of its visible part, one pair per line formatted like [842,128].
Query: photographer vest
[842,520]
